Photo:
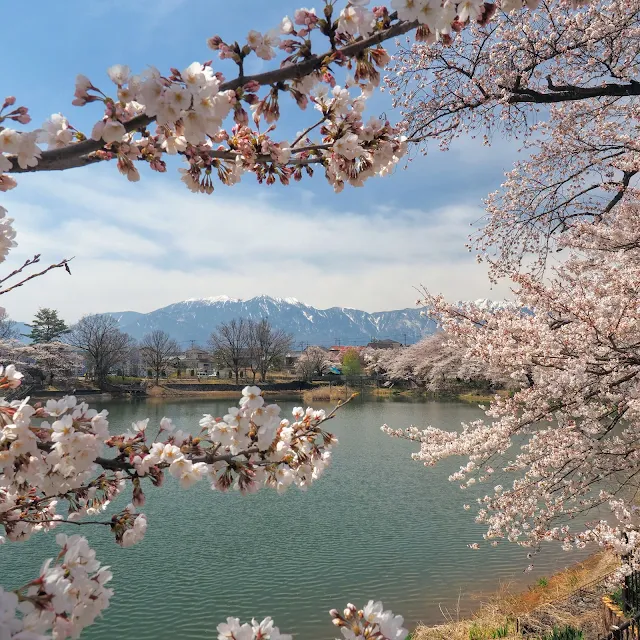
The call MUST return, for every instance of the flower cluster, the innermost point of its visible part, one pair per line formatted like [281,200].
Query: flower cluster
[59,450]
[569,435]
[190,107]
[499,77]
[250,447]
[370,622]
[7,234]
[67,596]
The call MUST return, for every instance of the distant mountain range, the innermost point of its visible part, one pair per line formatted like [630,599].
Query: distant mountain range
[195,320]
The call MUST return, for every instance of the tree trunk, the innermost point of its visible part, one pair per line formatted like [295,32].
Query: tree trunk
[157,378]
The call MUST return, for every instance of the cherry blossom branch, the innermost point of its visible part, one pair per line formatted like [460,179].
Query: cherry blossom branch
[76,522]
[27,263]
[81,153]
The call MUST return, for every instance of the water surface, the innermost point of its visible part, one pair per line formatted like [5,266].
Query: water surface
[376,525]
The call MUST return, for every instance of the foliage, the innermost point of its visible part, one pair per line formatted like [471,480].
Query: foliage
[618,597]
[47,326]
[501,632]
[351,365]
[477,633]
[542,582]
[565,633]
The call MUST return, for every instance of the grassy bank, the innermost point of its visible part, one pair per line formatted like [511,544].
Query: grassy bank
[168,392]
[497,613]
[325,393]
[479,398]
[384,392]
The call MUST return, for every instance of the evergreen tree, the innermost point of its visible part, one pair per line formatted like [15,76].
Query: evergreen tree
[47,326]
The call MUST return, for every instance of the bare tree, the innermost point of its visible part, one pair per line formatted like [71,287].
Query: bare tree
[314,361]
[230,344]
[158,350]
[8,328]
[267,346]
[103,344]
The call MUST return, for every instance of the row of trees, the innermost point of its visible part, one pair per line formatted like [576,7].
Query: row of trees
[248,344]
[438,364]
[238,345]
[315,361]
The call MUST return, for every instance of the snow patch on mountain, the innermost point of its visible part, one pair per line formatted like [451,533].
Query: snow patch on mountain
[213,299]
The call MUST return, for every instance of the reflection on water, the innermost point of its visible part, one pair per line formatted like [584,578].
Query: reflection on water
[377,525]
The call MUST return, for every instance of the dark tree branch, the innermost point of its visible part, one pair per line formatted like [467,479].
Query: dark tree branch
[568,93]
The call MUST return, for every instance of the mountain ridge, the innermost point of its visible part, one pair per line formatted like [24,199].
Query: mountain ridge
[194,319]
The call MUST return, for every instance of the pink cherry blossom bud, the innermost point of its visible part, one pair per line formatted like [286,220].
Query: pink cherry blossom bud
[9,100]
[214,42]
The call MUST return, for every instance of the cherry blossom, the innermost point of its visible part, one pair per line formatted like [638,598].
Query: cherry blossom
[203,116]
[568,433]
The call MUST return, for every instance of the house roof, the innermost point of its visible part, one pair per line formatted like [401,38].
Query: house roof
[342,349]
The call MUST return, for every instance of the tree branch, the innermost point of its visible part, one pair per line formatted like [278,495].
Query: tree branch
[81,154]
[64,264]
[568,93]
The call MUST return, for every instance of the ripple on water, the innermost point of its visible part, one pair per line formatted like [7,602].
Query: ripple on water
[378,525]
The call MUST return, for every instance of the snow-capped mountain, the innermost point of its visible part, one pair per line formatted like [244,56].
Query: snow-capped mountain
[196,319]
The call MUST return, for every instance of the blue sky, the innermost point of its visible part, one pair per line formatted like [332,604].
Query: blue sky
[142,246]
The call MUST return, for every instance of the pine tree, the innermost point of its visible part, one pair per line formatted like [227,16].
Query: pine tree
[47,326]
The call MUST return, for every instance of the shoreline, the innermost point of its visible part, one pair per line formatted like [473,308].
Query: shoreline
[320,393]
[502,611]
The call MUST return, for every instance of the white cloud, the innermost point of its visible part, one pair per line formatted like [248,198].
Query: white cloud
[139,247]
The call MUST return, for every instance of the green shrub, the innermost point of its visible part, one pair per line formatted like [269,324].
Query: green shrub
[542,582]
[476,633]
[618,597]
[501,632]
[565,633]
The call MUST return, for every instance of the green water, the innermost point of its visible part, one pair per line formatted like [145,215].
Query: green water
[376,525]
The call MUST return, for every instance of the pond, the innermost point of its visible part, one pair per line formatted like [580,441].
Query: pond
[376,525]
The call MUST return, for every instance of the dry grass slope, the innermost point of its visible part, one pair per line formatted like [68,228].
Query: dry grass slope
[541,607]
